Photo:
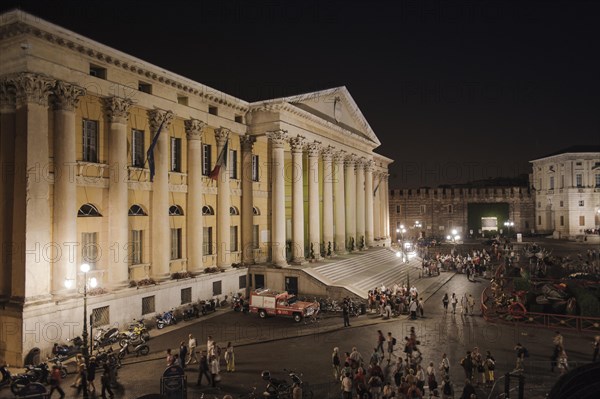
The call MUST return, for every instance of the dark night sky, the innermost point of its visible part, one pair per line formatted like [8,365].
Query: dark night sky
[455,91]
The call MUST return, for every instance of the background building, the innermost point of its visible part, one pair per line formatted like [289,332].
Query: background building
[276,181]
[567,191]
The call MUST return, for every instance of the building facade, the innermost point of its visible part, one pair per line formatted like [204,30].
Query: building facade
[160,184]
[567,191]
[440,211]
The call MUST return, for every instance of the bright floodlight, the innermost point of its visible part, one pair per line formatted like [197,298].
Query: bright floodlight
[402,226]
[398,254]
[454,232]
[93,282]
[68,283]
[397,230]
[457,237]
[448,237]
[85,268]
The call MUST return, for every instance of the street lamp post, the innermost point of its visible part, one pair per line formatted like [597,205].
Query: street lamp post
[509,223]
[85,268]
[454,237]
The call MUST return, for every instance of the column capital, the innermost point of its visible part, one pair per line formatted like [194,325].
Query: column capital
[194,129]
[247,141]
[361,163]
[66,95]
[221,135]
[117,109]
[339,156]
[8,96]
[314,148]
[159,116]
[278,137]
[32,88]
[369,165]
[350,160]
[327,153]
[297,144]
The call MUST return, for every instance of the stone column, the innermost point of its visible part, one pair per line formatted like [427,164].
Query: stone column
[247,143]
[349,164]
[31,275]
[297,145]
[328,199]
[360,203]
[159,215]
[223,205]
[7,169]
[278,139]
[314,227]
[194,220]
[64,225]
[377,206]
[369,203]
[386,206]
[339,202]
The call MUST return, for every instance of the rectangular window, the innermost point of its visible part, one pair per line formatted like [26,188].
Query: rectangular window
[97,71]
[89,249]
[175,244]
[551,183]
[582,220]
[182,100]
[259,281]
[136,247]
[206,159]
[217,290]
[213,110]
[239,119]
[90,141]
[145,87]
[148,305]
[539,220]
[422,209]
[255,235]
[243,282]
[175,154]
[255,174]
[137,148]
[450,209]
[186,295]
[562,204]
[579,180]
[562,181]
[562,220]
[597,181]
[207,248]
[581,203]
[232,164]
[397,208]
[100,316]
[540,186]
[233,237]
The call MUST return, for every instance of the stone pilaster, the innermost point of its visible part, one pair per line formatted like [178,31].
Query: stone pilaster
[314,227]
[360,202]
[64,226]
[377,206]
[369,203]
[328,211]
[159,215]
[349,165]
[339,202]
[297,145]
[247,217]
[278,139]
[386,206]
[7,169]
[223,205]
[31,276]
[194,220]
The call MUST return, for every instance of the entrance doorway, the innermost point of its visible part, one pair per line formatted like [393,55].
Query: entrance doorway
[291,285]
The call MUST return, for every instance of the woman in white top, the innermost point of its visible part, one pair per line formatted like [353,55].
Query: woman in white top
[230,357]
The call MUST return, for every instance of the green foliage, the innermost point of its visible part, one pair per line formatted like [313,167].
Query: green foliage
[522,283]
[587,302]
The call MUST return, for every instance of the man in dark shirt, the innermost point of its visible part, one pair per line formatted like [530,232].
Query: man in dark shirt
[203,369]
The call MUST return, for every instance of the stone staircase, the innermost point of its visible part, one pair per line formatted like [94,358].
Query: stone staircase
[361,272]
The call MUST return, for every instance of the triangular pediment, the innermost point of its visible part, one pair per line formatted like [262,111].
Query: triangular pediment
[335,106]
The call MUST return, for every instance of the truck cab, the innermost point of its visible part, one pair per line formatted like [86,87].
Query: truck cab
[267,302]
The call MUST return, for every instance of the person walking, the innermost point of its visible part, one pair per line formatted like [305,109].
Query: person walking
[105,381]
[380,341]
[490,364]
[203,369]
[471,303]
[521,354]
[447,388]
[214,371]
[335,363]
[192,350]
[412,308]
[557,343]
[170,358]
[346,314]
[445,365]
[183,351]
[82,377]
[453,302]
[468,390]
[210,346]
[445,302]
[563,364]
[467,364]
[55,381]
[91,374]
[347,386]
[391,341]
[464,303]
[230,357]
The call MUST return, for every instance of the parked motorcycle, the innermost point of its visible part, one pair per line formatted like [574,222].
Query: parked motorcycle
[108,357]
[37,373]
[208,306]
[6,376]
[68,351]
[280,389]
[106,337]
[239,305]
[166,319]
[139,348]
[193,312]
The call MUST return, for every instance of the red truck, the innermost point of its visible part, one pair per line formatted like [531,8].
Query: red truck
[267,302]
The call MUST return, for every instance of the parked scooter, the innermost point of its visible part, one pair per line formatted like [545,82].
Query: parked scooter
[279,389]
[139,348]
[37,373]
[68,351]
[106,337]
[208,306]
[193,312]
[166,319]
[6,376]
[239,305]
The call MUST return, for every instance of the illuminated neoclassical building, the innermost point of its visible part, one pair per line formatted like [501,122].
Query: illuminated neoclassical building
[77,119]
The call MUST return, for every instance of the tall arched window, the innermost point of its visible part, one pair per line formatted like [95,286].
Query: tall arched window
[137,210]
[175,210]
[88,210]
